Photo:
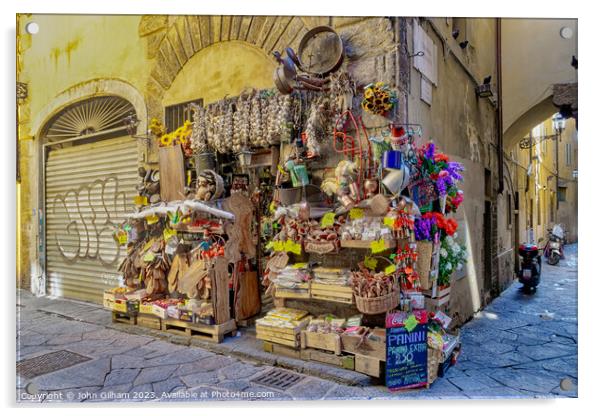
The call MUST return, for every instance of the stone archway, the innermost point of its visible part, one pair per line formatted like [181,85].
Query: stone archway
[173,40]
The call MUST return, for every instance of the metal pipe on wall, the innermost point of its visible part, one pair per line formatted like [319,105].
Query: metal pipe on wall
[500,113]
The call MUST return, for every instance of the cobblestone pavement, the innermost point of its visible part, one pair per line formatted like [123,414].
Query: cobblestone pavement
[520,346]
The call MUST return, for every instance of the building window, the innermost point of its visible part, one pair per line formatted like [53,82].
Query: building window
[551,208]
[561,193]
[568,155]
[531,213]
[539,207]
[176,114]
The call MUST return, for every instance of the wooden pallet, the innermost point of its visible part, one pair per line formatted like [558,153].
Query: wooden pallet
[148,321]
[213,333]
[124,318]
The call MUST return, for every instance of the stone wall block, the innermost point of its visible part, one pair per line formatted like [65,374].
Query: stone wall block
[225,28]
[184,33]
[205,28]
[173,37]
[280,26]
[195,32]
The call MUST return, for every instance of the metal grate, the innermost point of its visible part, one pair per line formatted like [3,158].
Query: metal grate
[177,114]
[48,363]
[278,379]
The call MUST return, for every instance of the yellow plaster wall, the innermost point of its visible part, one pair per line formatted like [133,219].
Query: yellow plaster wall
[224,68]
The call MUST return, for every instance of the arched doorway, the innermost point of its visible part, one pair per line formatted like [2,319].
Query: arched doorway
[90,174]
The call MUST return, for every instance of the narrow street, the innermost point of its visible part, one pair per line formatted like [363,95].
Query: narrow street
[520,346]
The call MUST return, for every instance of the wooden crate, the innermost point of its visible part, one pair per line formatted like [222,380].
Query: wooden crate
[374,346]
[123,318]
[302,291]
[278,336]
[332,293]
[368,365]
[213,333]
[342,361]
[275,348]
[328,342]
[365,244]
[148,321]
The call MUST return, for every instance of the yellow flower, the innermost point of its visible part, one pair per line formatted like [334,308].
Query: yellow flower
[166,140]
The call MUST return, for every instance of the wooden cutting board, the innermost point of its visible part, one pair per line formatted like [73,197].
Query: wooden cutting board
[248,301]
[171,170]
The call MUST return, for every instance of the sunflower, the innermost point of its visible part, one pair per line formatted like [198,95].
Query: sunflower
[166,140]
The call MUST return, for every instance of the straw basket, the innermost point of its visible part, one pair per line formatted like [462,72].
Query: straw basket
[381,304]
[423,264]
[434,358]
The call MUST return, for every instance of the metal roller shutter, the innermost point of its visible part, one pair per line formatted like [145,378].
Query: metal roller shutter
[89,189]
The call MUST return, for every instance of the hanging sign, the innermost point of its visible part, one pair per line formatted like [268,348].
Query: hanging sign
[407,352]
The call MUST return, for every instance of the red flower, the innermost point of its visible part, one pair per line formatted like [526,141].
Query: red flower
[441,157]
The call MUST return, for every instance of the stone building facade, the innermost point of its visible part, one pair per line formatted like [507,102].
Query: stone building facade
[154,62]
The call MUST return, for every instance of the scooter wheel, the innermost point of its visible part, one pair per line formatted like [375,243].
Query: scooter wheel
[553,258]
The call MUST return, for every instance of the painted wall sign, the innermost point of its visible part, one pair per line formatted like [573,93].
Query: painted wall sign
[407,356]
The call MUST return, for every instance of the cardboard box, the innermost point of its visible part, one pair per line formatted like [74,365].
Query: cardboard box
[108,299]
[146,308]
[159,311]
[120,305]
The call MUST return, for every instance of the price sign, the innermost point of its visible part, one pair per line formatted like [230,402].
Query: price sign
[293,247]
[389,222]
[378,246]
[356,213]
[140,200]
[328,220]
[407,358]
[390,269]
[152,219]
[370,262]
[168,233]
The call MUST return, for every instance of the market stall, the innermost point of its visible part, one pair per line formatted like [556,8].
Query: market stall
[347,224]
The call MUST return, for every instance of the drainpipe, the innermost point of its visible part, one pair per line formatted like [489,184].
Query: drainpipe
[500,119]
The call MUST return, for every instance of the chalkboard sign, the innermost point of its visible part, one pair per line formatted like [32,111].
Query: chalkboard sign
[407,357]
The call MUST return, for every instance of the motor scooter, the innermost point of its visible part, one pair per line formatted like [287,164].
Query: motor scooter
[554,249]
[529,273]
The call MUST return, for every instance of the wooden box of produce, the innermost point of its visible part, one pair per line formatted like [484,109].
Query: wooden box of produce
[300,291]
[332,293]
[282,326]
[329,342]
[372,345]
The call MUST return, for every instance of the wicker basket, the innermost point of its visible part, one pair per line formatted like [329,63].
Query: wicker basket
[434,358]
[423,264]
[381,304]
